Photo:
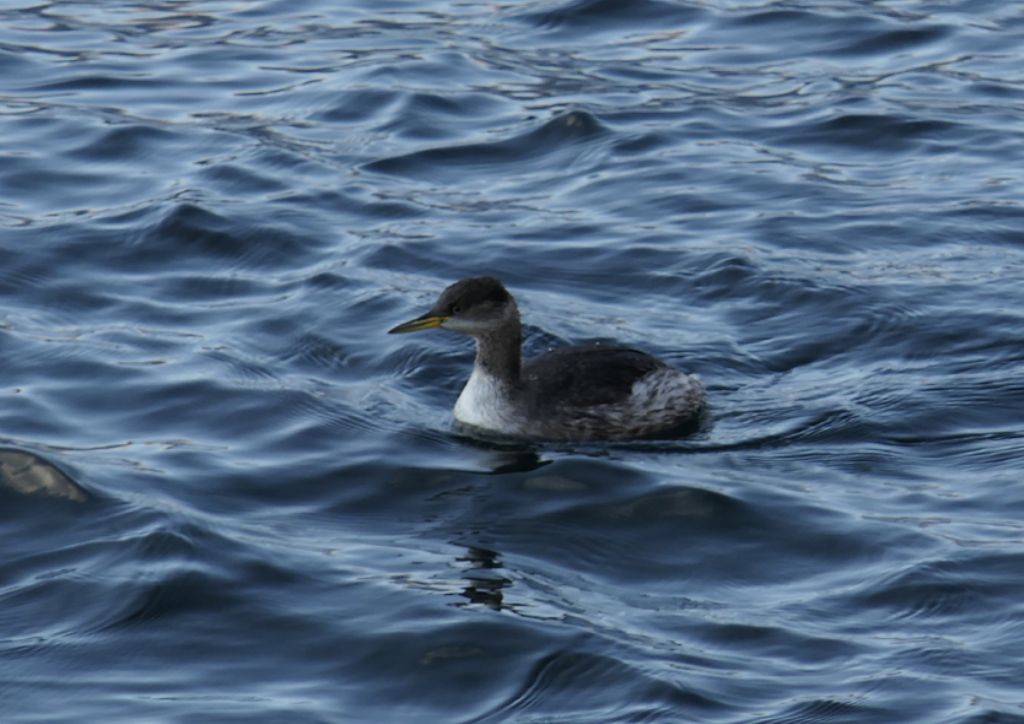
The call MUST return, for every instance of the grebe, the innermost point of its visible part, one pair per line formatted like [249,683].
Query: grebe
[575,393]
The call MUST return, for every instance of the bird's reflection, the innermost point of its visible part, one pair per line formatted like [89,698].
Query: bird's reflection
[507,457]
[481,570]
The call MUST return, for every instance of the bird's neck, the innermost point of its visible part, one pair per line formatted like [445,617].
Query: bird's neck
[498,353]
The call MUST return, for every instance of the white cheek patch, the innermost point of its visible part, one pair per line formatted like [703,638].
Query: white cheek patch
[465,326]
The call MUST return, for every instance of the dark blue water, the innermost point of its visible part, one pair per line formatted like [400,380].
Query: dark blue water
[229,496]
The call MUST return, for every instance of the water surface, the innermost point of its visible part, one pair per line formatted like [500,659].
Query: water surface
[230,496]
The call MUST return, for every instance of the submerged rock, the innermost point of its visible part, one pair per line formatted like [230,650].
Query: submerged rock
[28,473]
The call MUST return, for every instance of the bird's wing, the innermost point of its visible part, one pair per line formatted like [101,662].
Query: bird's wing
[586,376]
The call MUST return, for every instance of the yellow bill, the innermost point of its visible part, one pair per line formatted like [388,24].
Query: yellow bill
[418,324]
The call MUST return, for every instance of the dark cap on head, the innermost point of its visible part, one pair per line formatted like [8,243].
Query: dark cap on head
[470,293]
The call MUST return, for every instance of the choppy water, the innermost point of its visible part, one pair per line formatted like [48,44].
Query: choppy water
[210,212]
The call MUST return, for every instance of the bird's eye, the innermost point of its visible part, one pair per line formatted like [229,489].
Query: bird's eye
[455,309]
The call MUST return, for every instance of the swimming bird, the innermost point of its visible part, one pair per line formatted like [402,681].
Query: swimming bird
[570,394]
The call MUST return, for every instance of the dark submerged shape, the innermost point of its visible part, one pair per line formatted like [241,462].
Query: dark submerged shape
[575,393]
